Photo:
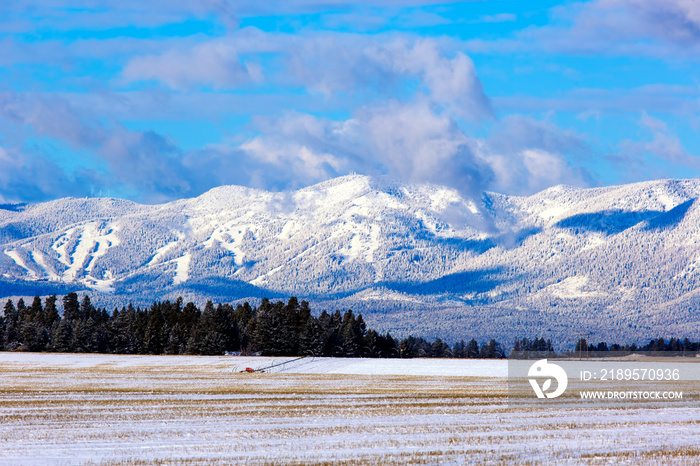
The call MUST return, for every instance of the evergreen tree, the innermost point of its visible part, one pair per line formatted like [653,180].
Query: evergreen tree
[63,337]
[472,349]
[460,349]
[311,339]
[51,319]
[389,346]
[12,337]
[440,349]
[352,332]
[154,335]
[31,329]
[208,336]
[120,332]
[87,310]
[372,344]
[71,307]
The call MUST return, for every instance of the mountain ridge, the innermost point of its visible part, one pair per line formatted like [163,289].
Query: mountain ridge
[617,261]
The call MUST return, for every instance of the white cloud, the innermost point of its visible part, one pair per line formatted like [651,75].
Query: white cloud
[659,28]
[414,142]
[532,170]
[453,82]
[665,145]
[329,64]
[640,158]
[213,64]
[34,177]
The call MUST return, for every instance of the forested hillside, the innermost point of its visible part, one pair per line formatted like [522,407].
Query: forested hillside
[619,263]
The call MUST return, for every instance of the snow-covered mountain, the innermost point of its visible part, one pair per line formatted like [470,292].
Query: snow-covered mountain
[620,263]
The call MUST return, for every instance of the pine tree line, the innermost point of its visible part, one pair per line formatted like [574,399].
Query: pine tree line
[674,346]
[271,329]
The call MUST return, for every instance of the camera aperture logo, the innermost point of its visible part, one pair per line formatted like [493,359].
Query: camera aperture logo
[544,369]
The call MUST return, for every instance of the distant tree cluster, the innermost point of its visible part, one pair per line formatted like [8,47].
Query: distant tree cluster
[674,346]
[537,348]
[273,329]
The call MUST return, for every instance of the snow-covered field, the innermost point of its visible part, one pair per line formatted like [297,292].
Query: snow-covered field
[106,409]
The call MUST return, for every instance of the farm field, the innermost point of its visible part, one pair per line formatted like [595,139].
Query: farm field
[108,409]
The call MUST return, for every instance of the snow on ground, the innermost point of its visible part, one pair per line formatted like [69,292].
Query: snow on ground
[39,259]
[60,246]
[18,260]
[416,367]
[113,409]
[182,269]
[161,252]
[571,288]
[290,365]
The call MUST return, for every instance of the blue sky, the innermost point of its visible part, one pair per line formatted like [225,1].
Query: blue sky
[164,99]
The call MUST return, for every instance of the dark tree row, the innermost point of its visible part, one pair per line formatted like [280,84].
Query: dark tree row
[674,346]
[274,329]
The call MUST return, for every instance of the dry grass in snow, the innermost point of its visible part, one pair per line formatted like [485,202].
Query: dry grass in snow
[118,410]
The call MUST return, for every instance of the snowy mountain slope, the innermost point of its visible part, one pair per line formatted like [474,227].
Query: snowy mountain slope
[615,261]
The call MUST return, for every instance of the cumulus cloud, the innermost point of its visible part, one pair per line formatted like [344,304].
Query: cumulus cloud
[328,64]
[407,141]
[412,141]
[451,82]
[529,155]
[351,64]
[35,177]
[142,162]
[417,141]
[213,64]
[668,20]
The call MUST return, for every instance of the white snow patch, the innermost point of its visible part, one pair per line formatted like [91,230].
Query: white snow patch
[442,198]
[571,288]
[93,243]
[354,248]
[60,246]
[386,295]
[666,201]
[39,259]
[627,292]
[289,229]
[89,238]
[105,285]
[553,212]
[18,260]
[262,279]
[103,243]
[236,234]
[594,242]
[165,249]
[566,236]
[182,269]
[230,237]
[407,367]
[491,368]
[691,269]
[374,243]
